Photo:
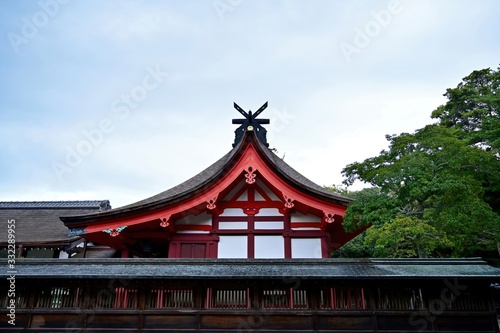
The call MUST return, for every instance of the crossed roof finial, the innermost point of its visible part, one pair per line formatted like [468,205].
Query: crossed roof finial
[250,123]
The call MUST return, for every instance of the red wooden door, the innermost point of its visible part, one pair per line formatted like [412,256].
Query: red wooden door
[193,250]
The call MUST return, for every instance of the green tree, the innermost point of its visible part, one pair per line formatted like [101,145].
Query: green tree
[436,191]
[405,237]
[371,206]
[473,107]
[355,248]
[435,177]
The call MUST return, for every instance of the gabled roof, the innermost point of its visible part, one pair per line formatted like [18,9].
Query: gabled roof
[188,269]
[37,223]
[211,174]
[218,168]
[294,176]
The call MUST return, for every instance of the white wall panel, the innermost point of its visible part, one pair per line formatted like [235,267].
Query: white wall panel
[269,212]
[233,225]
[233,212]
[297,217]
[269,247]
[306,248]
[268,225]
[233,247]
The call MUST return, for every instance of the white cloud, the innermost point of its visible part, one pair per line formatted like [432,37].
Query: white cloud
[64,80]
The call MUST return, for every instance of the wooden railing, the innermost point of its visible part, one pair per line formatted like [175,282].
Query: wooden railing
[325,306]
[343,298]
[168,298]
[227,298]
[206,297]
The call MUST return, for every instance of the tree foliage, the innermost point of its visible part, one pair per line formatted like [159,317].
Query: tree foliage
[441,182]
[370,206]
[473,107]
[355,248]
[404,237]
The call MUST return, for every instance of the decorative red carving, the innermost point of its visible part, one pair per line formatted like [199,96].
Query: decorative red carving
[250,175]
[211,203]
[329,218]
[251,211]
[288,202]
[114,232]
[165,222]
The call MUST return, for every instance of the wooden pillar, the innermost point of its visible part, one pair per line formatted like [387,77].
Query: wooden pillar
[286,235]
[85,248]
[141,289]
[125,252]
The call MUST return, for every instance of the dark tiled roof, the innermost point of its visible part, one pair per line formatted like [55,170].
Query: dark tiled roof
[218,167]
[84,204]
[38,223]
[297,178]
[175,193]
[189,185]
[217,170]
[255,268]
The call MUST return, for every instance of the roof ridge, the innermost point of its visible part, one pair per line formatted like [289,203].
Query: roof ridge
[103,204]
[294,175]
[30,201]
[201,177]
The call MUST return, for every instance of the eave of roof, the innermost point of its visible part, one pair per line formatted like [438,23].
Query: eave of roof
[189,269]
[207,177]
[168,197]
[298,179]
[76,204]
[37,223]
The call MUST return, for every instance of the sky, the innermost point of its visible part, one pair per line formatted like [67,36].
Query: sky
[121,100]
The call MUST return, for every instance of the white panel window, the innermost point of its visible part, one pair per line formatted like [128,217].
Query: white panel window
[297,217]
[232,247]
[234,191]
[266,190]
[243,196]
[269,247]
[302,229]
[233,225]
[306,248]
[269,212]
[233,212]
[259,197]
[269,225]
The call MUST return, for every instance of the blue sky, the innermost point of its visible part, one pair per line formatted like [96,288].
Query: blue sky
[121,100]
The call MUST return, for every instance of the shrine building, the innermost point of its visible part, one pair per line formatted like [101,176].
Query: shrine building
[242,246]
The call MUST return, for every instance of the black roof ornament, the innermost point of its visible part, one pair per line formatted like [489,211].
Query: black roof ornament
[250,123]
